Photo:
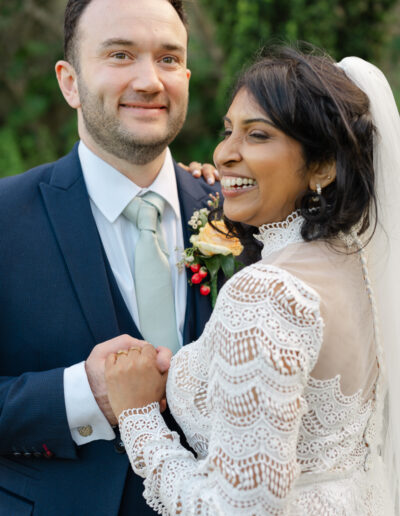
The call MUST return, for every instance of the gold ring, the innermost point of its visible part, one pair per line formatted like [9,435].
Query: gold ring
[121,352]
[135,348]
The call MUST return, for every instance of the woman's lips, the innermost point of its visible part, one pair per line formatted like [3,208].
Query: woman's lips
[235,185]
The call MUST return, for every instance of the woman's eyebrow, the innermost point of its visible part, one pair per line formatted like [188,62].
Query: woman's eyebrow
[252,121]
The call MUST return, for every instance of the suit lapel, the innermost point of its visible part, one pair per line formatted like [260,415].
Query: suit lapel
[193,195]
[68,208]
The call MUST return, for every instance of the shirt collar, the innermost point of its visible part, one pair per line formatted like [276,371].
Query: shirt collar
[111,191]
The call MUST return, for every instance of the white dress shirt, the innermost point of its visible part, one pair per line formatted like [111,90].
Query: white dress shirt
[109,194]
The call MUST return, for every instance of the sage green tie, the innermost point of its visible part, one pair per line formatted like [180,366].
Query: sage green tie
[153,284]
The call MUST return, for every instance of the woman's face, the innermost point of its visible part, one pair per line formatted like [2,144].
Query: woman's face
[261,167]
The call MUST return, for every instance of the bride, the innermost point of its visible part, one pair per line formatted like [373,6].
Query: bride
[284,396]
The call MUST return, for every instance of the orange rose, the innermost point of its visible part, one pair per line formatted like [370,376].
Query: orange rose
[210,242]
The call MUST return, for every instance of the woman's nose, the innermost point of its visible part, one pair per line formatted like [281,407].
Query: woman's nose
[227,152]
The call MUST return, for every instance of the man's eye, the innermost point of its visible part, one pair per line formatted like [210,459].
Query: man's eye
[169,60]
[120,55]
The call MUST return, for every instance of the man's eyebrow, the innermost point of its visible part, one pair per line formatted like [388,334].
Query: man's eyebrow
[119,42]
[173,48]
[252,121]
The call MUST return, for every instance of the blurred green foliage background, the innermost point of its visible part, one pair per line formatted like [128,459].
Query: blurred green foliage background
[36,125]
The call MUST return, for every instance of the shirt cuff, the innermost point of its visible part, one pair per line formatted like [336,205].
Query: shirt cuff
[85,419]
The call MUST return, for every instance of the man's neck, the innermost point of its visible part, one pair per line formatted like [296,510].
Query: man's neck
[141,175]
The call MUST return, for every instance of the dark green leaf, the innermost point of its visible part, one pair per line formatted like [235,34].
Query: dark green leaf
[213,265]
[239,265]
[228,265]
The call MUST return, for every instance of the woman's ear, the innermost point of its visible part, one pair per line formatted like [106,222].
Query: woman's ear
[323,176]
[67,80]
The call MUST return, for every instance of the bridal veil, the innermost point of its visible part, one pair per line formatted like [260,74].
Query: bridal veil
[383,252]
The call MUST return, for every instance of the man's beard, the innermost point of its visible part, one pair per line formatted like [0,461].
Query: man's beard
[108,132]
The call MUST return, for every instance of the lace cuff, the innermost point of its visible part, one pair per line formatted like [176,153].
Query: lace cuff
[139,426]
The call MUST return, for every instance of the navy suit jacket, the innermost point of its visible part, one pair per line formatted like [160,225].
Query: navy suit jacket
[58,299]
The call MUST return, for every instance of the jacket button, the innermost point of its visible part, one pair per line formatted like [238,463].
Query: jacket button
[27,454]
[37,454]
[17,454]
[119,446]
[85,431]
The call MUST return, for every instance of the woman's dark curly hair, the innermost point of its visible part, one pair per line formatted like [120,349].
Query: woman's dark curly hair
[310,99]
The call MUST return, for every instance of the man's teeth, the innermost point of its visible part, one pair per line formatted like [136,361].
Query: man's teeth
[234,183]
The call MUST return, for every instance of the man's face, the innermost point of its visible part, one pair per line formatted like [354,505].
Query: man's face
[132,77]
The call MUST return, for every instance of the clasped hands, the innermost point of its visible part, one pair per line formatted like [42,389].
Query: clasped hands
[125,372]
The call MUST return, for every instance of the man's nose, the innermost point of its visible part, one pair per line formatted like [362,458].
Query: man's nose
[147,79]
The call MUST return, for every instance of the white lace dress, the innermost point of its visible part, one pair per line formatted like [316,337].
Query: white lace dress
[279,398]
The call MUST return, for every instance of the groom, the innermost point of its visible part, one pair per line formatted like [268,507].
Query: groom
[67,248]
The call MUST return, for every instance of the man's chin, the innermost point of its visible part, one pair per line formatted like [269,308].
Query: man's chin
[137,151]
[145,137]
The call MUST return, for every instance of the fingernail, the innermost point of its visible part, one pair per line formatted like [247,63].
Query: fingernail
[210,181]
[196,172]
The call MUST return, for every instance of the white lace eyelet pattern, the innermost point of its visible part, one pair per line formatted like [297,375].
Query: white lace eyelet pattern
[269,438]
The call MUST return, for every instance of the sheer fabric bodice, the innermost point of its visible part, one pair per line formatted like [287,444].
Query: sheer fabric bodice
[279,398]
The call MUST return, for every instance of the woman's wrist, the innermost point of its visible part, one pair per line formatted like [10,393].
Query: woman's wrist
[138,411]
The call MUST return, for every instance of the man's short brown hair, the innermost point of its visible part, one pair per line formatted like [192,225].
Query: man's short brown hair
[74,11]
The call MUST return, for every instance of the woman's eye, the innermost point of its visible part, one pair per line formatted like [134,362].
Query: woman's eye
[225,133]
[259,136]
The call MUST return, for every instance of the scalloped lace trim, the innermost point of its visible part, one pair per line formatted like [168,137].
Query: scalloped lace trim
[278,235]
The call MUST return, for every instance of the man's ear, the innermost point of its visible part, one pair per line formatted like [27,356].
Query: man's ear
[323,175]
[188,73]
[67,80]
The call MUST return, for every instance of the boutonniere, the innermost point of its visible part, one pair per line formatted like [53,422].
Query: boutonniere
[211,251]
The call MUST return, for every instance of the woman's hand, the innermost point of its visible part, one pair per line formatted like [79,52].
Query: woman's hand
[205,170]
[137,377]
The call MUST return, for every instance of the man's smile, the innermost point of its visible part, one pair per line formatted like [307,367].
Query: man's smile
[144,109]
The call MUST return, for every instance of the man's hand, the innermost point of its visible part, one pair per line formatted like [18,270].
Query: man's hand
[206,170]
[95,368]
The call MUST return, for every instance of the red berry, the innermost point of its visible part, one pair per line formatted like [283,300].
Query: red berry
[196,278]
[203,272]
[195,267]
[204,290]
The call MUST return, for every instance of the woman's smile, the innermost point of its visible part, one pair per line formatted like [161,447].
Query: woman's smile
[261,168]
[237,185]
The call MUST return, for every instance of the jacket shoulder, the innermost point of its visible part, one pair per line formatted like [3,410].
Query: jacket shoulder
[31,176]
[22,187]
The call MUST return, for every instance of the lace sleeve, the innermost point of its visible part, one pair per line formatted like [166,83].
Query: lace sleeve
[261,343]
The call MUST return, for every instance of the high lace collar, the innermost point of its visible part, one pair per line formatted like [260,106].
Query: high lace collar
[278,235]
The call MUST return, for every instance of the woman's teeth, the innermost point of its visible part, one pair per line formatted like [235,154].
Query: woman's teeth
[236,183]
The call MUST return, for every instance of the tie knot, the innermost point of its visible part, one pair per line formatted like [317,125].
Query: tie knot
[145,211]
